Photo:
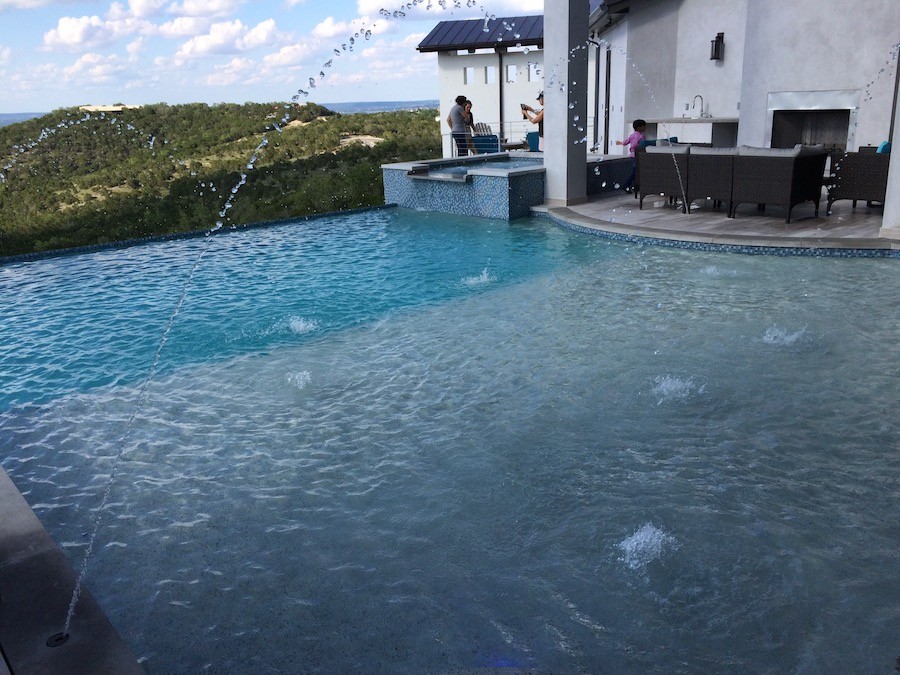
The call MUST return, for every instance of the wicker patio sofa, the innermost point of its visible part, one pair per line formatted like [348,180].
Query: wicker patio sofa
[710,172]
[859,176]
[778,177]
[761,176]
[663,171]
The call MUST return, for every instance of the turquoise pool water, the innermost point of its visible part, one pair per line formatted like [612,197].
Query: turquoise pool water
[463,169]
[410,442]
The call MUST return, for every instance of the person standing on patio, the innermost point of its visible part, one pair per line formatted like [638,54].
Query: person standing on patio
[536,117]
[458,127]
[633,142]
[470,126]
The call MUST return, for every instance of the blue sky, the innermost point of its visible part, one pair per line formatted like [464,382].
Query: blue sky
[60,53]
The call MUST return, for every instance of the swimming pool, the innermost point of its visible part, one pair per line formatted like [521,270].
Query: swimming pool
[412,442]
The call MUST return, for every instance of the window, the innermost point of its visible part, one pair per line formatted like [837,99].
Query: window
[490,75]
[468,75]
[534,71]
[512,72]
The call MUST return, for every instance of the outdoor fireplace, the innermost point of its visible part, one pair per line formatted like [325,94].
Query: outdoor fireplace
[813,117]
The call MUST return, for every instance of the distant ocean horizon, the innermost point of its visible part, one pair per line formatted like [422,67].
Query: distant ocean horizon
[343,108]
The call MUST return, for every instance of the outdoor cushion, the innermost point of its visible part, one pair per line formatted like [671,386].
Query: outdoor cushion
[810,149]
[750,151]
[702,150]
[669,149]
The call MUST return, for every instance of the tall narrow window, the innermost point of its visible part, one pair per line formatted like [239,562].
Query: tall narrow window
[468,75]
[534,71]
[490,75]
[512,71]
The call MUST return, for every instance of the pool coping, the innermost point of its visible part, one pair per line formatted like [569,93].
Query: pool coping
[36,584]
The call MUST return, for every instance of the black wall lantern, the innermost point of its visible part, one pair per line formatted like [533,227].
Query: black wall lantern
[717,48]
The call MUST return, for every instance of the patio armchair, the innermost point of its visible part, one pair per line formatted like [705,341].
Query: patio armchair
[710,175]
[780,177]
[859,175]
[484,139]
[664,171]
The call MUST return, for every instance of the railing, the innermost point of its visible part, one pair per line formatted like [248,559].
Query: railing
[512,134]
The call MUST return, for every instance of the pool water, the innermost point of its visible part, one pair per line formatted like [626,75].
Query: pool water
[411,442]
[463,169]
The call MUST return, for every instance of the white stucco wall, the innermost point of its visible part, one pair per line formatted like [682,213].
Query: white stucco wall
[486,97]
[718,82]
[819,45]
[652,50]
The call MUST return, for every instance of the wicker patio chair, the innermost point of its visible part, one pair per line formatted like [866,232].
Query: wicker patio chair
[778,177]
[664,171]
[710,175]
[859,175]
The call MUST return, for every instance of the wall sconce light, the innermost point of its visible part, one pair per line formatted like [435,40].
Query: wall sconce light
[717,48]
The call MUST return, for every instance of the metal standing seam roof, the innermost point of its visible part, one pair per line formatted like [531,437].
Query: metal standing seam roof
[511,31]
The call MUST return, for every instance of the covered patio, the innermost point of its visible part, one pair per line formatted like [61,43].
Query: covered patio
[566,193]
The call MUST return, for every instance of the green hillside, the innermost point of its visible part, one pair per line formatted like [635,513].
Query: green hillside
[72,178]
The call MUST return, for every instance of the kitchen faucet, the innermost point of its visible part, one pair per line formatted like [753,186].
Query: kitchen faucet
[694,105]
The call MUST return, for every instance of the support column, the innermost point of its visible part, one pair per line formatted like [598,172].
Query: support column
[890,223]
[565,98]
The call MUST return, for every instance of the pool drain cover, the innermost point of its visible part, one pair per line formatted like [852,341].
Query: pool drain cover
[57,640]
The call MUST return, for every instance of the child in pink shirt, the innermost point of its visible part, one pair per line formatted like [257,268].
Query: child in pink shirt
[634,142]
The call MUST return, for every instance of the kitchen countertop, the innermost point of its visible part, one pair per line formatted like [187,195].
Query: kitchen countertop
[694,120]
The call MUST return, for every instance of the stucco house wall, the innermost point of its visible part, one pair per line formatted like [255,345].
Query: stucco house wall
[814,54]
[652,49]
[718,82]
[820,45]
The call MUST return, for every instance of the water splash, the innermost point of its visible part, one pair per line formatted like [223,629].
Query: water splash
[778,336]
[301,326]
[299,379]
[20,150]
[480,280]
[671,388]
[715,272]
[123,444]
[647,544]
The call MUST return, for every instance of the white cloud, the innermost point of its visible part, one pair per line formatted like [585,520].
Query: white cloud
[5,53]
[146,8]
[204,7]
[329,28]
[290,55]
[263,33]
[184,26]
[398,60]
[495,7]
[77,32]
[134,48]
[92,69]
[230,37]
[234,72]
[90,32]
[24,4]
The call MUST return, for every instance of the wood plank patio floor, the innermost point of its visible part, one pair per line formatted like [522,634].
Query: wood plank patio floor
[846,227]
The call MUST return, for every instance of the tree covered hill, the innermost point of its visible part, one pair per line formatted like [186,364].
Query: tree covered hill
[72,178]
